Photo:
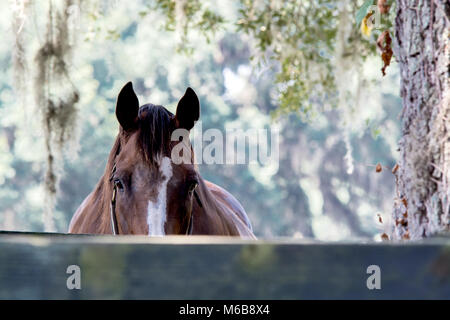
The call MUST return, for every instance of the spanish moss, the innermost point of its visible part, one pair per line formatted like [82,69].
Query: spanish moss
[56,98]
[20,10]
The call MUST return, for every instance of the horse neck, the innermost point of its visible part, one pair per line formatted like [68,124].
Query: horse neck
[212,213]
[103,193]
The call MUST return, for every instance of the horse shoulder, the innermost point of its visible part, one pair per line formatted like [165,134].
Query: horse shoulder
[78,218]
[232,203]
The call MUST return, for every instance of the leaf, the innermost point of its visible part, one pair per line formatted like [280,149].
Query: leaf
[376,132]
[384,43]
[378,168]
[362,12]
[365,28]
[380,219]
[394,170]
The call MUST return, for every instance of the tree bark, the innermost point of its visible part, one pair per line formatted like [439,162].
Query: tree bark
[423,179]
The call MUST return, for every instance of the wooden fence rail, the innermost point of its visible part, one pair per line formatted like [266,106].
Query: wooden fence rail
[33,266]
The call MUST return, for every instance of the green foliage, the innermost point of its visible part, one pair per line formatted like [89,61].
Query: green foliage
[295,38]
[187,16]
[298,39]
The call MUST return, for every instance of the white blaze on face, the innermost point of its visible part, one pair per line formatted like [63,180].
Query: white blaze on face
[156,211]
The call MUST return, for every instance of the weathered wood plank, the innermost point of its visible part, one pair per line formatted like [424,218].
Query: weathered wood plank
[34,266]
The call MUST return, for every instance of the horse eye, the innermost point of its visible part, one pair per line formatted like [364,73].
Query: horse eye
[118,184]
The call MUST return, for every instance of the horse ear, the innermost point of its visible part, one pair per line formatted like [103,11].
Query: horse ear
[188,110]
[127,107]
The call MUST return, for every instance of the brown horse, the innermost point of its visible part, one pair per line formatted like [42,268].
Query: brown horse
[143,191]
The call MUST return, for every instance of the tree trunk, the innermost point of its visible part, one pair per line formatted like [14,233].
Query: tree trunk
[422,50]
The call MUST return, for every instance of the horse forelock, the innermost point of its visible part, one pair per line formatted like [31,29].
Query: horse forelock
[155,127]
